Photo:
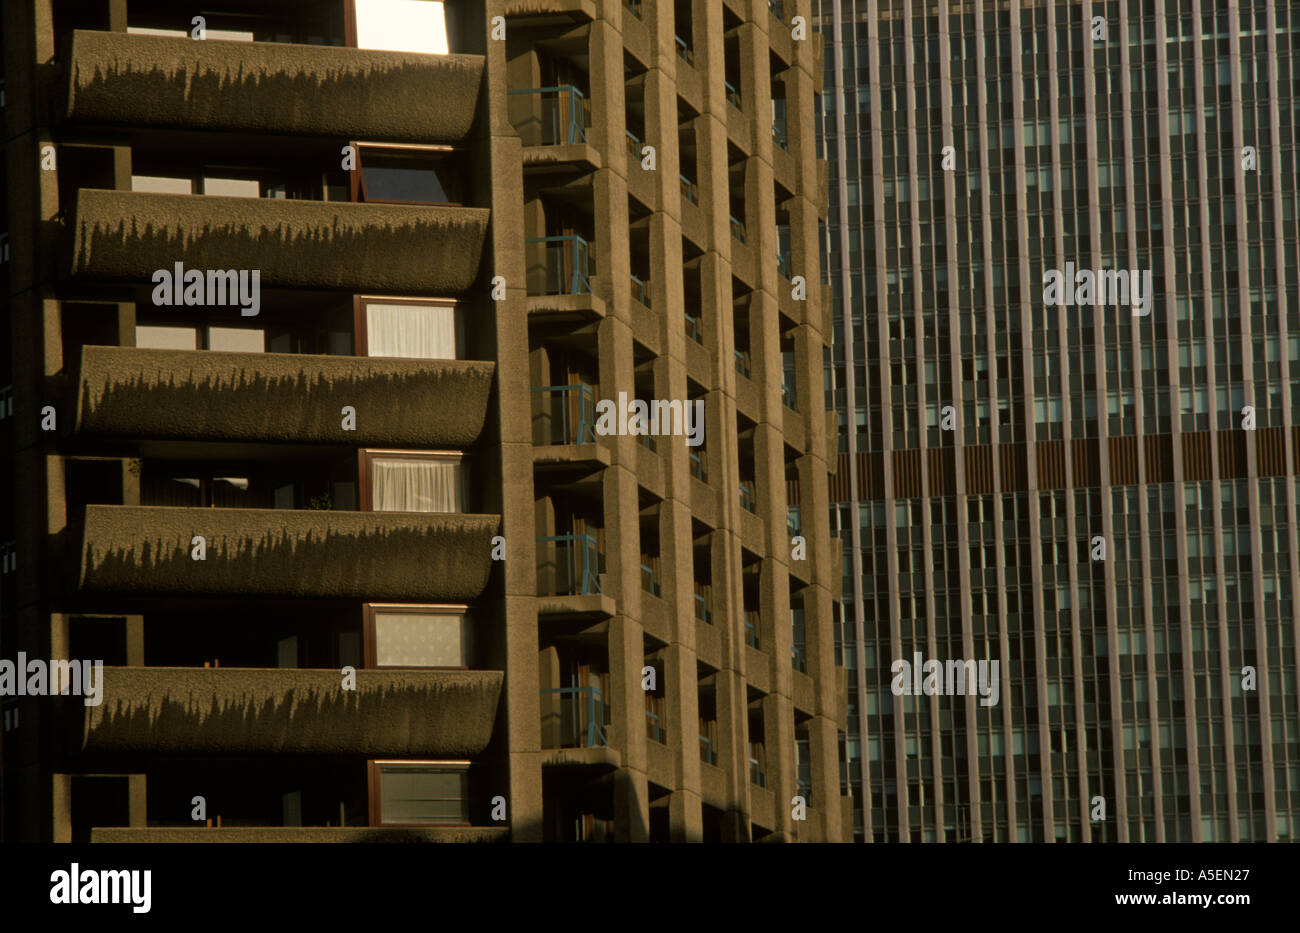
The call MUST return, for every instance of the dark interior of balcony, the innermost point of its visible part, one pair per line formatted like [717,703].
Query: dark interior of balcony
[318,638]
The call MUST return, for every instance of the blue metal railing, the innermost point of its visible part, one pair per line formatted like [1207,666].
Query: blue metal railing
[779,137]
[648,581]
[800,659]
[640,290]
[701,608]
[777,9]
[783,264]
[742,363]
[577,413]
[564,114]
[805,790]
[633,143]
[634,6]
[684,50]
[751,628]
[694,328]
[756,774]
[788,397]
[582,717]
[567,263]
[733,95]
[654,728]
[793,520]
[707,754]
[689,191]
[577,564]
[697,466]
[748,498]
[737,229]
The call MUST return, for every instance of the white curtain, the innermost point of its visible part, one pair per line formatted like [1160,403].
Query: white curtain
[418,486]
[425,332]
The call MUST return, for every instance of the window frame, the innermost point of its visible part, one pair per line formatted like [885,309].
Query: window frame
[368,638]
[361,331]
[374,776]
[356,177]
[365,499]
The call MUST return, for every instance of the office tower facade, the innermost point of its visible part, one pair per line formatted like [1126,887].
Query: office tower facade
[1096,491]
[327,328]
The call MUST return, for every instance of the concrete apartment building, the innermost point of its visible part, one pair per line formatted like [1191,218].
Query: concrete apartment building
[358,557]
[1155,135]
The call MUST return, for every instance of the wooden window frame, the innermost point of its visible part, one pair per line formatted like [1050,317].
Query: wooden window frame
[375,767]
[356,177]
[365,500]
[361,333]
[370,652]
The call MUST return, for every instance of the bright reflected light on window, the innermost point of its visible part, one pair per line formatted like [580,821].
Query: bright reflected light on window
[402,26]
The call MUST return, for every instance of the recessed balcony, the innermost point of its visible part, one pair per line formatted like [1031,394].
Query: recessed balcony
[395,248]
[218,396]
[124,79]
[377,556]
[191,711]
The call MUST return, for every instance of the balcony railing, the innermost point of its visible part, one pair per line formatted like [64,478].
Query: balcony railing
[577,564]
[580,720]
[783,265]
[737,229]
[702,608]
[742,363]
[800,658]
[707,753]
[751,628]
[654,729]
[733,95]
[793,521]
[694,328]
[566,266]
[633,142]
[684,51]
[640,290]
[697,466]
[779,137]
[788,397]
[804,789]
[689,190]
[777,9]
[648,581]
[572,410]
[564,114]
[748,497]
[634,7]
[757,775]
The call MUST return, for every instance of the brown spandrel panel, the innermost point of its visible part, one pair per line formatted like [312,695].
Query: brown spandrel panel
[1270,451]
[1196,457]
[907,473]
[1159,458]
[1232,454]
[871,474]
[1013,467]
[1122,457]
[979,470]
[940,464]
[1085,460]
[1051,464]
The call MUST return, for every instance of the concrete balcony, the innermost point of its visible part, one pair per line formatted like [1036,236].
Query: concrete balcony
[196,711]
[170,834]
[187,394]
[397,248]
[380,556]
[119,79]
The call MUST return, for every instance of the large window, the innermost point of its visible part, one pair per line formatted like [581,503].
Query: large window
[414,481]
[173,337]
[418,636]
[408,174]
[419,793]
[398,25]
[411,328]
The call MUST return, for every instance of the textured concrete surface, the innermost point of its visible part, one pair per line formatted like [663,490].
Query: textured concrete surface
[213,395]
[397,713]
[400,248]
[302,834]
[117,78]
[401,556]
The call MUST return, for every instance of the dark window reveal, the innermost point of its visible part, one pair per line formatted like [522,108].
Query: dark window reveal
[420,175]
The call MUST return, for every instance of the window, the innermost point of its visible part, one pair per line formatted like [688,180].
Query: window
[398,26]
[418,636]
[406,481]
[419,793]
[411,328]
[408,174]
[230,339]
